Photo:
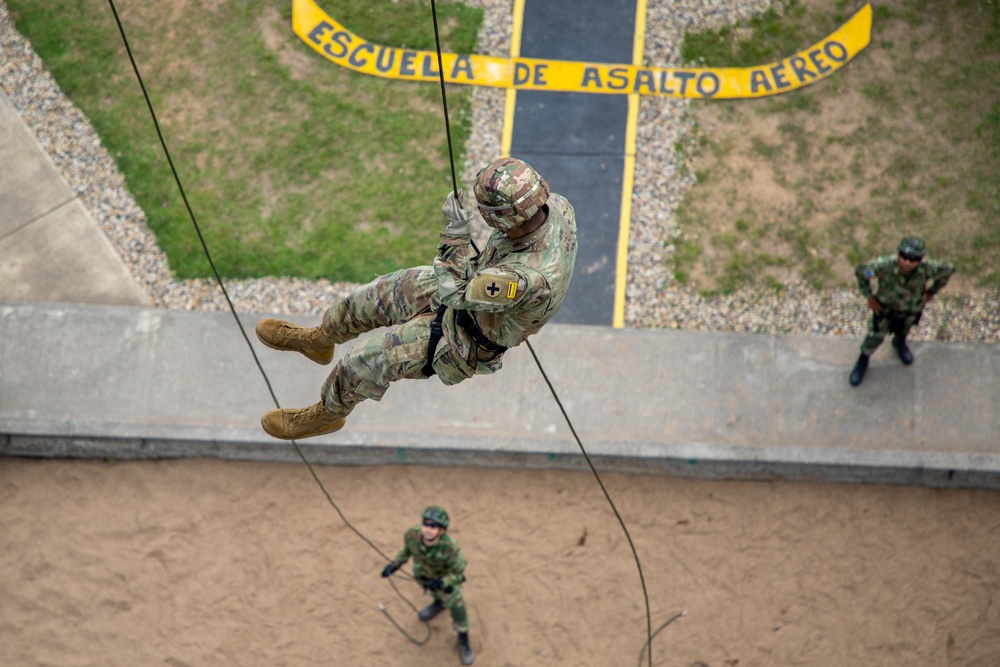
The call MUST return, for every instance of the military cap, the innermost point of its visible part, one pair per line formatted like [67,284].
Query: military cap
[435,514]
[911,245]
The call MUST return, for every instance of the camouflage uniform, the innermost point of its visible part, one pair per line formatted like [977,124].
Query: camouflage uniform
[901,295]
[511,289]
[442,560]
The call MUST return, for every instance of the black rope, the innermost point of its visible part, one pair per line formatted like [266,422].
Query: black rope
[444,98]
[385,612]
[668,622]
[600,482]
[218,278]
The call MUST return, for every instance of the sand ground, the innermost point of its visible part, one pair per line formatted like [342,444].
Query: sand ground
[206,562]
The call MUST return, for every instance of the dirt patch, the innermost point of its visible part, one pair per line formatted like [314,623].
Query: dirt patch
[279,38]
[203,562]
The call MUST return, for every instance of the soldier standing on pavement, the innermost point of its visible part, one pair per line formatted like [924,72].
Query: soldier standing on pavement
[457,317]
[906,283]
[438,566]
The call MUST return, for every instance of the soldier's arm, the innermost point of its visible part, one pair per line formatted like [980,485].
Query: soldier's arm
[941,274]
[494,289]
[404,553]
[455,253]
[864,273]
[456,569]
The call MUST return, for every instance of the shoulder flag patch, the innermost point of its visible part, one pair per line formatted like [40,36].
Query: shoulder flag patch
[492,288]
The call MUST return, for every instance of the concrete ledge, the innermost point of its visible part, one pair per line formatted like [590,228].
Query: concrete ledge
[51,248]
[65,253]
[130,382]
[31,185]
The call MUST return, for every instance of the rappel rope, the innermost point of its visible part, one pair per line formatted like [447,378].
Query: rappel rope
[385,612]
[555,396]
[232,309]
[263,373]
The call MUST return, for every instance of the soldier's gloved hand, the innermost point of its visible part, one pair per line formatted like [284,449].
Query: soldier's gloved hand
[457,214]
[389,569]
[433,584]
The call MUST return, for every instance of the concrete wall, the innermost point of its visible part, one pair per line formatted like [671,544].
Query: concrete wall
[133,382]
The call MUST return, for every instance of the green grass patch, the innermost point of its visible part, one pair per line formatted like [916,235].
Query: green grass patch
[686,252]
[904,140]
[765,38]
[292,165]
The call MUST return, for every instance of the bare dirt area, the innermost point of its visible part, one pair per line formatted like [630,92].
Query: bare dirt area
[205,562]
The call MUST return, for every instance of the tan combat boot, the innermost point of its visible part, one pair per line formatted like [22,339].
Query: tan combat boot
[310,341]
[298,423]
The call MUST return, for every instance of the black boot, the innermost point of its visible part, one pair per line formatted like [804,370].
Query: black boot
[858,374]
[464,650]
[430,611]
[899,342]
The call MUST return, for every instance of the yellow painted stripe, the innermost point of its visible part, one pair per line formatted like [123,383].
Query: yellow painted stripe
[628,177]
[639,42]
[515,35]
[510,102]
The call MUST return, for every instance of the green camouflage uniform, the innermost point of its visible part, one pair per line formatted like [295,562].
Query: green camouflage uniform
[901,295]
[442,560]
[511,289]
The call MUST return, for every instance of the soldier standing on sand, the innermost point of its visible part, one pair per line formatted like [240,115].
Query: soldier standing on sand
[903,291]
[439,567]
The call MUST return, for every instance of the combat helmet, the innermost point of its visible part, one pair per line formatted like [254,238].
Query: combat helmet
[509,192]
[436,514]
[911,245]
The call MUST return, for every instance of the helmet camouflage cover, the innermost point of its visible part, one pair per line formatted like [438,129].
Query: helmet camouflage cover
[509,192]
[435,514]
[911,245]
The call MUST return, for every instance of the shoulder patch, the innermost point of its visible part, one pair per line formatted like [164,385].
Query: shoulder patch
[869,274]
[493,288]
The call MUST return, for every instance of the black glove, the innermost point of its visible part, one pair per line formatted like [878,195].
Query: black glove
[389,569]
[433,584]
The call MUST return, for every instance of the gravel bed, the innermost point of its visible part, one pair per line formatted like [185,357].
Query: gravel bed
[652,298]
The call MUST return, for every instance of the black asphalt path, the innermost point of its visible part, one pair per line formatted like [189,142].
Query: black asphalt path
[577,140]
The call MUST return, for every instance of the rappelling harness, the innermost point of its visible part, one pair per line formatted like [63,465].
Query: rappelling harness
[467,321]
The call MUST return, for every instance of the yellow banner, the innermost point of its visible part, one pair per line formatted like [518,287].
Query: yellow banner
[341,46]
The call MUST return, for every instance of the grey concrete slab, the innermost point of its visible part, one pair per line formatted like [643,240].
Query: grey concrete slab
[567,30]
[30,185]
[593,185]
[568,124]
[956,398]
[144,373]
[63,256]
[50,247]
[137,382]
[577,140]
[877,414]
